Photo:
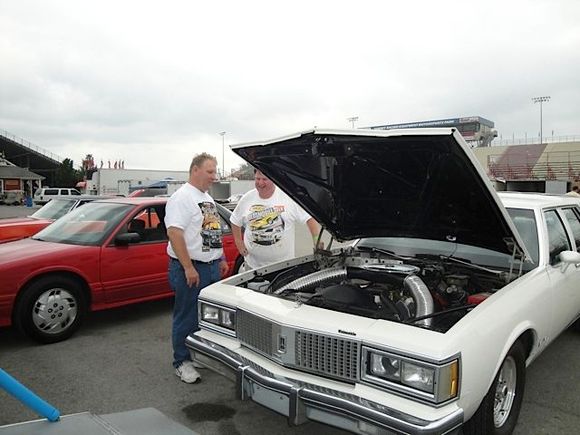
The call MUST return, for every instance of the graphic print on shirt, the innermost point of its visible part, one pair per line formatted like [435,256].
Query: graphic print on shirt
[266,224]
[211,229]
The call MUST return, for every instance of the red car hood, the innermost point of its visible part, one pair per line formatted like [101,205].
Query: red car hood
[28,251]
[22,220]
[19,228]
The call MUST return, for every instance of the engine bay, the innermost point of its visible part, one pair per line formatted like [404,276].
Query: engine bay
[432,293]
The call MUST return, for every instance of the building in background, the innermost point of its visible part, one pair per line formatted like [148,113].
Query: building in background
[16,183]
[477,131]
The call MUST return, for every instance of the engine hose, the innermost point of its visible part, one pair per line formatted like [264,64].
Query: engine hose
[422,297]
[314,279]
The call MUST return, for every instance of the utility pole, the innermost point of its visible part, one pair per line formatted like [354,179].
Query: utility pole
[223,134]
[352,120]
[541,100]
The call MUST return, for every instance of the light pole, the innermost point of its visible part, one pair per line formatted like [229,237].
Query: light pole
[223,134]
[352,120]
[541,100]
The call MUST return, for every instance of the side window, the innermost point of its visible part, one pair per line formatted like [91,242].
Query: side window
[572,218]
[226,229]
[50,192]
[74,192]
[148,223]
[557,235]
[64,191]
[525,223]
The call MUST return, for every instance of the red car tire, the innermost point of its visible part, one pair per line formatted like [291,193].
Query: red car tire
[51,309]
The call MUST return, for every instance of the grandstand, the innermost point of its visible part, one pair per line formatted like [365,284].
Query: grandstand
[26,155]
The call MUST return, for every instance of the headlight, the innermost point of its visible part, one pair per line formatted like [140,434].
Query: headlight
[418,377]
[211,314]
[223,317]
[432,382]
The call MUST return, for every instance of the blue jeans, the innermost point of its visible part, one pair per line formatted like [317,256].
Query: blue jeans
[185,320]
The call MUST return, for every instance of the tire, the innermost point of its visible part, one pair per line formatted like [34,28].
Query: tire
[51,309]
[508,388]
[238,264]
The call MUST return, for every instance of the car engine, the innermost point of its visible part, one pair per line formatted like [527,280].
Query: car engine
[428,293]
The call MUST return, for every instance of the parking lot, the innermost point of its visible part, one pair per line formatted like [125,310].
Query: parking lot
[121,360]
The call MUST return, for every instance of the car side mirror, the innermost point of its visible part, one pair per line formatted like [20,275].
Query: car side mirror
[570,257]
[127,238]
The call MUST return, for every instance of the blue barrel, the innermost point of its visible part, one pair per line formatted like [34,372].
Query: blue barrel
[12,386]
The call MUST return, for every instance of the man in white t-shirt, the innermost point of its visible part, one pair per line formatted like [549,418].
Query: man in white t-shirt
[196,256]
[268,216]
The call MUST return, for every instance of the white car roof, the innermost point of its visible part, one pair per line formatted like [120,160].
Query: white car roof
[535,200]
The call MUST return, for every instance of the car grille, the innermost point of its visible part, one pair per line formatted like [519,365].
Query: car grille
[254,331]
[315,353]
[329,355]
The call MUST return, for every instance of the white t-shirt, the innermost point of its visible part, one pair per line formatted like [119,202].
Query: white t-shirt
[195,213]
[269,226]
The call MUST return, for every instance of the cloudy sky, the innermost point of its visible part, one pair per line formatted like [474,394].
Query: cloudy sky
[155,82]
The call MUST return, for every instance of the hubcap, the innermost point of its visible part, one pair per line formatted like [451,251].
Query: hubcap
[54,311]
[505,392]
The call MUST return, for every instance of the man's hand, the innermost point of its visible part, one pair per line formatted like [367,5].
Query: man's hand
[223,268]
[192,277]
[242,248]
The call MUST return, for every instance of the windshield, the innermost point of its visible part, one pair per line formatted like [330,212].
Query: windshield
[89,225]
[54,209]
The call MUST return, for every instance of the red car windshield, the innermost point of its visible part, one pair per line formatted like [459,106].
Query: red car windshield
[54,209]
[89,225]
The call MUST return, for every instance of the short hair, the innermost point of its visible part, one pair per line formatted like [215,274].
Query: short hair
[575,188]
[199,160]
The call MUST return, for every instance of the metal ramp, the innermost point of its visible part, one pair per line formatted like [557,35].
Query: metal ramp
[146,421]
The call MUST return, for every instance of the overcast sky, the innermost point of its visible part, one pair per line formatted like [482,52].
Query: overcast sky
[154,82]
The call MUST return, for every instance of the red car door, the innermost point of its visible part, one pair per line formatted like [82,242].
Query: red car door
[137,271]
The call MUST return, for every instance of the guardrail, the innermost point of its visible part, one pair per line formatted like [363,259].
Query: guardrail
[534,140]
[31,146]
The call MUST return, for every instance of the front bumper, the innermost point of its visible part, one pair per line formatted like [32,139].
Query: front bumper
[301,402]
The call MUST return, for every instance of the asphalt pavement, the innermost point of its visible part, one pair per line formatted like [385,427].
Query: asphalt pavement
[120,360]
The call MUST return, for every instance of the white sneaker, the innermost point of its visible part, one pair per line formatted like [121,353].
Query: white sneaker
[187,372]
[198,365]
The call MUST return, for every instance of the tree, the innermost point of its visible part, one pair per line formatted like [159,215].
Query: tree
[66,175]
[244,172]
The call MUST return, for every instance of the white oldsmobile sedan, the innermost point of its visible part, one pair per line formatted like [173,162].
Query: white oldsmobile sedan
[427,323]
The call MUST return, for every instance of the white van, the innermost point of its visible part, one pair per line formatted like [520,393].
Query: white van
[45,194]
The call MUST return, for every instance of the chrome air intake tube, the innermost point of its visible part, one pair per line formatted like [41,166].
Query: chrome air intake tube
[314,279]
[422,296]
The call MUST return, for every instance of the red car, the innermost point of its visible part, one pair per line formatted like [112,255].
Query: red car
[20,228]
[105,254]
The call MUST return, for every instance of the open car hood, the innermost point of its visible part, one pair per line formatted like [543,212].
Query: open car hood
[421,183]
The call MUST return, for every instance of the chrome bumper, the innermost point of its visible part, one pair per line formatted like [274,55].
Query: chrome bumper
[301,402]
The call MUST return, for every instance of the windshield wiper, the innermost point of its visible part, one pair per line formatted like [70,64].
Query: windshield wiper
[384,251]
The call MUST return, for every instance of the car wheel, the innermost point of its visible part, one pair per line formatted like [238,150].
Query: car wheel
[238,264]
[500,408]
[51,309]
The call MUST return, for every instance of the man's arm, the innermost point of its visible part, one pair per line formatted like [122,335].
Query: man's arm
[314,228]
[239,240]
[177,240]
